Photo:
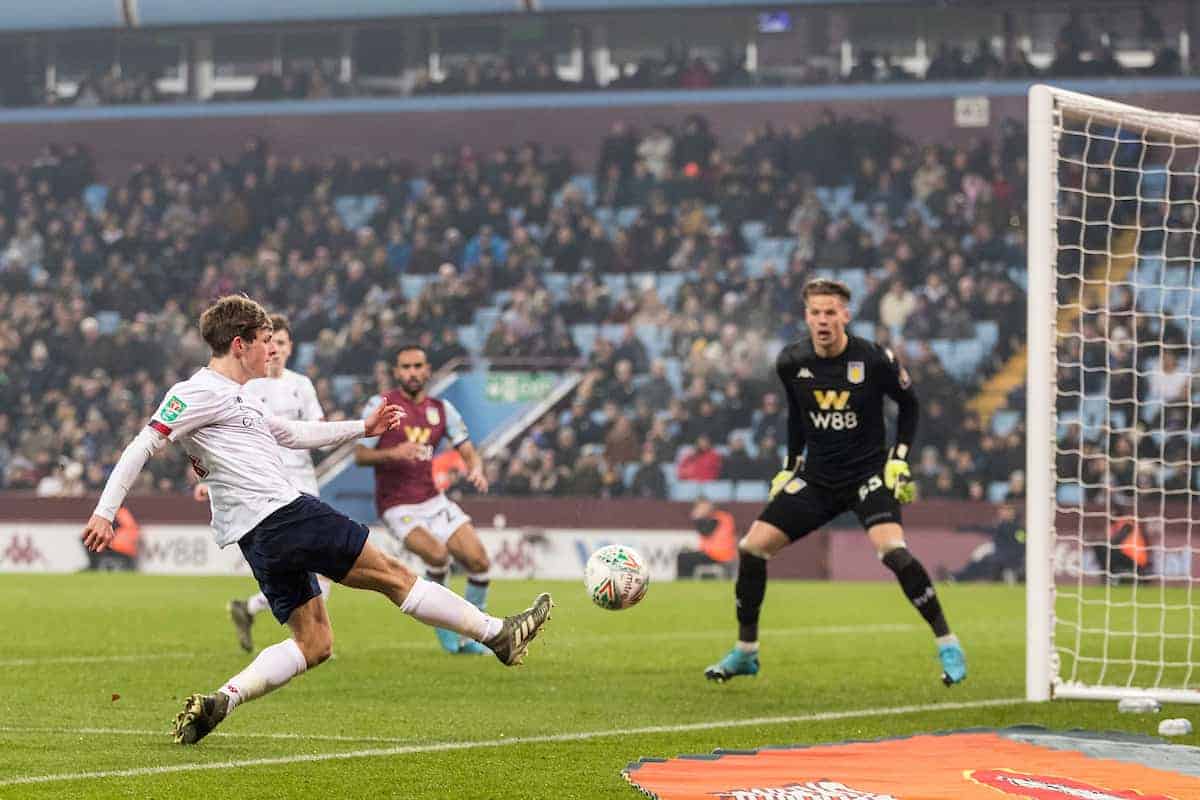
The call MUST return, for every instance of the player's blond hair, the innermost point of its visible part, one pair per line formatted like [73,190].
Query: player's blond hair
[230,317]
[826,286]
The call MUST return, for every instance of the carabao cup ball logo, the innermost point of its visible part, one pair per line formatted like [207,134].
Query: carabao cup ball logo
[616,577]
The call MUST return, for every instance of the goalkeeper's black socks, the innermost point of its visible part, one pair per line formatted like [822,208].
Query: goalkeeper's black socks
[914,580]
[750,589]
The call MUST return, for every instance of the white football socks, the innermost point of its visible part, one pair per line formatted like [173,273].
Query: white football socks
[272,668]
[747,647]
[257,604]
[436,605]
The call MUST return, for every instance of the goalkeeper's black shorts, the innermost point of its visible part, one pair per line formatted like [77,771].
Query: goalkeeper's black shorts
[800,507]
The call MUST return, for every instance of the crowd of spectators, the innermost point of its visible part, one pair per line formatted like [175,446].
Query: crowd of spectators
[1081,50]
[98,299]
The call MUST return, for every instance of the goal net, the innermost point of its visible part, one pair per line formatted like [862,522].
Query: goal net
[1113,410]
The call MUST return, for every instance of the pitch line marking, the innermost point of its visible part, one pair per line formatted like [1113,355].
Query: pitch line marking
[816,630]
[440,747]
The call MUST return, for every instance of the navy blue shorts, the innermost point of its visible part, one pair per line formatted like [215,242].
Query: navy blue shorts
[287,549]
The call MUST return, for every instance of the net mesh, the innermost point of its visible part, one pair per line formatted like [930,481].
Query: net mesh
[1127,456]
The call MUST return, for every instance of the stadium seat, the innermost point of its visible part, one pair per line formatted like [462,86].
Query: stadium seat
[1070,494]
[1092,410]
[471,337]
[627,216]
[413,285]
[557,283]
[305,352]
[94,197]
[343,387]
[109,321]
[584,335]
[486,318]
[674,370]
[863,328]
[753,231]
[751,491]
[1004,421]
[718,491]
[687,491]
[616,284]
[988,333]
[668,286]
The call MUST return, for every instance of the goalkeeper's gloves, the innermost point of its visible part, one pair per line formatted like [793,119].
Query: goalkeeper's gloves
[780,480]
[897,476]
[783,478]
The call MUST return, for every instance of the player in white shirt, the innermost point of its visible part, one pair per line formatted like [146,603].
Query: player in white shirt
[286,536]
[288,395]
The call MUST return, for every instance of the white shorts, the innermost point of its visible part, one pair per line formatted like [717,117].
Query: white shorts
[437,515]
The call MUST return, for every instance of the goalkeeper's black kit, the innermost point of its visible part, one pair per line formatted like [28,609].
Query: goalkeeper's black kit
[836,421]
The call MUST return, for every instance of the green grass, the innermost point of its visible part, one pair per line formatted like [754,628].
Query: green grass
[827,648]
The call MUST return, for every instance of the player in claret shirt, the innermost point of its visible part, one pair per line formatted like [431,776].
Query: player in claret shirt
[287,537]
[421,517]
[838,460]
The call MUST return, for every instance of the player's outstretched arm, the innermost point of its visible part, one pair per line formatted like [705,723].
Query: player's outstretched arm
[99,532]
[297,435]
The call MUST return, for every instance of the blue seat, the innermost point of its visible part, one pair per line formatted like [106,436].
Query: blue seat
[668,286]
[751,491]
[557,283]
[109,321]
[413,285]
[628,215]
[343,387]
[1092,410]
[1003,422]
[753,231]
[988,332]
[584,335]
[674,370]
[94,197]
[305,352]
[1070,494]
[485,318]
[687,491]
[471,338]
[863,328]
[718,491]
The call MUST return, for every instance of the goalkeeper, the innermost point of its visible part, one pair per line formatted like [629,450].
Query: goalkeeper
[838,460]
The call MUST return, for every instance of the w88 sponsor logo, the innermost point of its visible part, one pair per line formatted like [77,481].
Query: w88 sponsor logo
[834,420]
[833,415]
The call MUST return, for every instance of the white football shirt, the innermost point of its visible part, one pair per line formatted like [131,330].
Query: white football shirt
[292,396]
[224,430]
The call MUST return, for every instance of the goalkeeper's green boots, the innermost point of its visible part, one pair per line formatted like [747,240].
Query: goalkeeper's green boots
[736,662]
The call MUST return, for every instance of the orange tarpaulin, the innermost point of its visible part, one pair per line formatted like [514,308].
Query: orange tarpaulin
[962,766]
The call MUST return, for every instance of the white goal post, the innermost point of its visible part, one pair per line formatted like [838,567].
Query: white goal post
[1113,404]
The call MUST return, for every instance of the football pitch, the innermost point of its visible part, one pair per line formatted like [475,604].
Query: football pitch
[94,668]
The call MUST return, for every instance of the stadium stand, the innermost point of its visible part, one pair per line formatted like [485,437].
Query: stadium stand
[673,278]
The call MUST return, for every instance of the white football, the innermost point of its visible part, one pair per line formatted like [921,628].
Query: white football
[616,577]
